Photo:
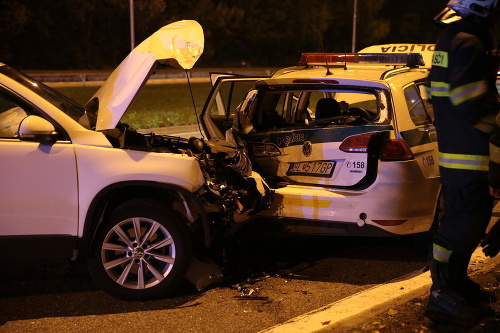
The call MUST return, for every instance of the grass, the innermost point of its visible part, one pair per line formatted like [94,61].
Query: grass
[156,105]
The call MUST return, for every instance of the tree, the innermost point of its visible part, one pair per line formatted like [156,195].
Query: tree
[15,16]
[88,34]
[61,34]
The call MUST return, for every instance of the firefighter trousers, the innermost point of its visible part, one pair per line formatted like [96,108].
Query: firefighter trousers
[467,212]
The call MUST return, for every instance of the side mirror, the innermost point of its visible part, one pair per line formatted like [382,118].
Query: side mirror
[35,128]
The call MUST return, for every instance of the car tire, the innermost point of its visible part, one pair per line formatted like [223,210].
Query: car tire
[140,268]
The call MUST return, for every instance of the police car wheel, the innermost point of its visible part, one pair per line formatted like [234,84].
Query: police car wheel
[142,252]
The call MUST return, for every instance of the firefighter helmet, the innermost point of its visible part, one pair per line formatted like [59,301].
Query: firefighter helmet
[457,9]
[482,8]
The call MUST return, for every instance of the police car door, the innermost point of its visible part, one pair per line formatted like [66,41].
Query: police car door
[227,93]
[417,129]
[309,146]
[415,126]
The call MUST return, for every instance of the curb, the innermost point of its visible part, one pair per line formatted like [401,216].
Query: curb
[350,311]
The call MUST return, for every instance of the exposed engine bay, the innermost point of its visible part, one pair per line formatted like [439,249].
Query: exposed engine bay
[229,186]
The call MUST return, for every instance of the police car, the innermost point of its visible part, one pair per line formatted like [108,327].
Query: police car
[346,140]
[76,183]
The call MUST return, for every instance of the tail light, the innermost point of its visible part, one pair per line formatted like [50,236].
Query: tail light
[396,150]
[356,143]
[264,150]
[392,149]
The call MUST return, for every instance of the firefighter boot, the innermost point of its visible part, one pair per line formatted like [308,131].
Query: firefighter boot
[474,294]
[471,290]
[444,298]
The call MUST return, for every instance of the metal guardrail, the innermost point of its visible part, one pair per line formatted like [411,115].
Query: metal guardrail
[85,77]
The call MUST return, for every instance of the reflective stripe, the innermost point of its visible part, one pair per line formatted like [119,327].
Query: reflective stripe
[494,153]
[464,162]
[440,89]
[468,91]
[460,94]
[440,253]
[428,90]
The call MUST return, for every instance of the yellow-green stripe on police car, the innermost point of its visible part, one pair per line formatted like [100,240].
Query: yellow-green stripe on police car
[307,202]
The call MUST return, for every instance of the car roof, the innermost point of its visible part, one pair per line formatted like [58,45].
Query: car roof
[376,66]
[366,76]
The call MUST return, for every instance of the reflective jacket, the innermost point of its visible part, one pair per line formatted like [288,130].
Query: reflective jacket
[494,172]
[465,100]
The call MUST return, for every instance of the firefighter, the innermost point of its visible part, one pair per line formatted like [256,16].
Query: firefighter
[491,243]
[465,100]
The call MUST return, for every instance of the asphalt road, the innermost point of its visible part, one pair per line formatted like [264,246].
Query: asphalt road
[289,277]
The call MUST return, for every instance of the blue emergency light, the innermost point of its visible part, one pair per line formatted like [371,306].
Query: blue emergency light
[404,59]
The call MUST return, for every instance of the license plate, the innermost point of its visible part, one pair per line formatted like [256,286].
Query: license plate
[315,169]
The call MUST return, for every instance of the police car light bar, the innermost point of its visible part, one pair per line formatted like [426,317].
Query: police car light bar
[405,59]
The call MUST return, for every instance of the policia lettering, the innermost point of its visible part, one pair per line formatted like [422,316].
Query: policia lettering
[403,48]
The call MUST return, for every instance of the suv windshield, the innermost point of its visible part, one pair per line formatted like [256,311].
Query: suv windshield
[271,108]
[63,103]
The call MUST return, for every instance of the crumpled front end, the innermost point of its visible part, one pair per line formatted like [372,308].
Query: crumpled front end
[232,190]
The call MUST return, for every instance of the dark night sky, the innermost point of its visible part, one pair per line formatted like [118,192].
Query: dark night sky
[95,34]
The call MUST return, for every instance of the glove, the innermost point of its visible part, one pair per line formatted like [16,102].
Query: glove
[491,242]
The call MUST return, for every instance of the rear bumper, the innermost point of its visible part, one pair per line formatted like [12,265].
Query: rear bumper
[400,196]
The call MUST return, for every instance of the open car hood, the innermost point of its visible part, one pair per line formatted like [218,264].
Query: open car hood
[178,44]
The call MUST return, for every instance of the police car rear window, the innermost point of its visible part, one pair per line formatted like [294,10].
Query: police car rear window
[307,107]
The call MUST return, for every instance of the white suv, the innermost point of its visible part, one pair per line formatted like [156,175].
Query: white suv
[346,140]
[76,183]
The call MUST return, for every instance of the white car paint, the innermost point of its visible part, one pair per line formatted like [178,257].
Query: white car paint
[180,43]
[60,180]
[127,166]
[47,183]
[76,183]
